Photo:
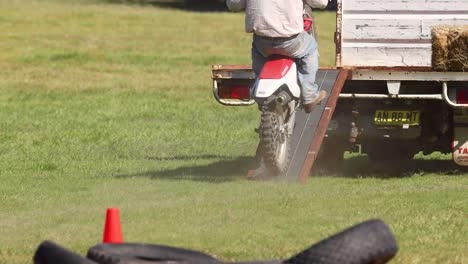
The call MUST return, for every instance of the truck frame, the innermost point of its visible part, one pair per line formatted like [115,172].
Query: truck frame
[393,105]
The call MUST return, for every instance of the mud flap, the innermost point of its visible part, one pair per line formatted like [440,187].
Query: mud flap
[460,145]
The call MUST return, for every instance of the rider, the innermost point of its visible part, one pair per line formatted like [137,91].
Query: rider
[278,28]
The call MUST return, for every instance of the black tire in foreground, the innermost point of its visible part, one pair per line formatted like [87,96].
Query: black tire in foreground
[371,242]
[50,253]
[367,243]
[134,253]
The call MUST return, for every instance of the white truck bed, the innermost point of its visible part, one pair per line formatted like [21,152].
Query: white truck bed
[392,33]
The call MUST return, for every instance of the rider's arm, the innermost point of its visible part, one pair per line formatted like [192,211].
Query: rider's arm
[236,5]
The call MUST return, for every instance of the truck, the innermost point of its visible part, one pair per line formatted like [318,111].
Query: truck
[393,103]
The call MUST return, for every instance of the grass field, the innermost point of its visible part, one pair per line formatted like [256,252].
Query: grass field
[109,105]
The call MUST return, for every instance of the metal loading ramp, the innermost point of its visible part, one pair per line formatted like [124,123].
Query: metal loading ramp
[310,129]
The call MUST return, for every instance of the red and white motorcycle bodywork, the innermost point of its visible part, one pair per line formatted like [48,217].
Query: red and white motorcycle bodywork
[277,72]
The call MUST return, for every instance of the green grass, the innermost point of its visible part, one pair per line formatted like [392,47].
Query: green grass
[110,106]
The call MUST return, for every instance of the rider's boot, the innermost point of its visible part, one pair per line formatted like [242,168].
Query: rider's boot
[310,106]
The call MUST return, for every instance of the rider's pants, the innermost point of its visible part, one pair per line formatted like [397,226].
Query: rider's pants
[303,48]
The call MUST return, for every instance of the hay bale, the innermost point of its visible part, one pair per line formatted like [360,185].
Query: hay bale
[440,47]
[458,53]
[450,48]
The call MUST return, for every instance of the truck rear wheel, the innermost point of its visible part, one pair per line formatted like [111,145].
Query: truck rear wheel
[331,156]
[390,152]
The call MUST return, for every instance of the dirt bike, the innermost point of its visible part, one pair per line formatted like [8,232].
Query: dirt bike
[277,92]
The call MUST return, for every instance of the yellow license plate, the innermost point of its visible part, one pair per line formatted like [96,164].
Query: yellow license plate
[383,117]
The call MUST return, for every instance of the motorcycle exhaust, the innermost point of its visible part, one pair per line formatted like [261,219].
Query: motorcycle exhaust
[283,98]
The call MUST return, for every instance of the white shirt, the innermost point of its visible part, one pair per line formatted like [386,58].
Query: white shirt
[272,18]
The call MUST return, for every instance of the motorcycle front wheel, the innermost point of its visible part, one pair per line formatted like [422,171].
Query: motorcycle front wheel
[275,137]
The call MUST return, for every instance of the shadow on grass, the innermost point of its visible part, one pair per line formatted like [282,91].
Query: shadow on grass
[362,167]
[191,5]
[217,172]
[188,157]
[229,169]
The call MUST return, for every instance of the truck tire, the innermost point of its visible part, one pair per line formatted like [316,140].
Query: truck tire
[275,143]
[391,154]
[134,253]
[50,253]
[331,156]
[365,243]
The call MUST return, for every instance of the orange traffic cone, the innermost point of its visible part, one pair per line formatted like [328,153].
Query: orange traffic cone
[112,229]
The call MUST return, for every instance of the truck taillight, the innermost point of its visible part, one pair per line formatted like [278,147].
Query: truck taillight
[240,92]
[462,96]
